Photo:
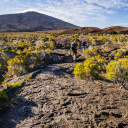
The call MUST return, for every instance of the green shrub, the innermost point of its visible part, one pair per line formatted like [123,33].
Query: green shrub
[3,98]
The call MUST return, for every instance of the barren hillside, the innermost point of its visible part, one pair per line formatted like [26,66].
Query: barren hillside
[31,21]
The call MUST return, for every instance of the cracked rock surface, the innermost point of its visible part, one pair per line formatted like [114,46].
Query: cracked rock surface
[54,98]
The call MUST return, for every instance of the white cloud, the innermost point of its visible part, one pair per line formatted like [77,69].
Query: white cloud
[78,9]
[60,11]
[22,4]
[1,1]
[126,9]
[111,11]
[6,0]
[74,11]
[121,24]
[109,3]
[81,11]
[31,9]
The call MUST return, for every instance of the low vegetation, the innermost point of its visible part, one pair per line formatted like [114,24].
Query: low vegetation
[91,68]
[114,63]
[3,99]
[117,71]
[21,52]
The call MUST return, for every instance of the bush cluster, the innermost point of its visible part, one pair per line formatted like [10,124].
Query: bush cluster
[22,54]
[117,71]
[91,53]
[17,66]
[91,68]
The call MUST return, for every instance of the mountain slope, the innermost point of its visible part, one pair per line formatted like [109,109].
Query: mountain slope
[31,21]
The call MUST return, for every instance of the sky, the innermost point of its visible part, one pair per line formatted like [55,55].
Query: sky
[83,13]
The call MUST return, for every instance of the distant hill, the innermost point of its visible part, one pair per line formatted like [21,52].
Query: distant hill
[83,30]
[31,21]
[109,30]
[117,29]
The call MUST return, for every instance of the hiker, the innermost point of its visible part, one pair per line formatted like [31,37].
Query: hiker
[74,48]
[84,45]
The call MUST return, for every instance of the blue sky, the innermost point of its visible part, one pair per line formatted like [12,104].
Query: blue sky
[92,13]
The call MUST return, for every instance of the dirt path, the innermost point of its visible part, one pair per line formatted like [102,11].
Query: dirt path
[54,98]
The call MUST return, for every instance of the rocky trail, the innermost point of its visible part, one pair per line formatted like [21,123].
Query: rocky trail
[54,98]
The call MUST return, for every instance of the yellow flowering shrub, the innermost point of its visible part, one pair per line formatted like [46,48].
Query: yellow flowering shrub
[79,71]
[97,41]
[32,58]
[117,71]
[24,44]
[94,41]
[52,45]
[94,65]
[48,50]
[17,84]
[91,53]
[17,66]
[87,53]
[91,67]
[118,54]
[28,78]
[8,54]
[41,47]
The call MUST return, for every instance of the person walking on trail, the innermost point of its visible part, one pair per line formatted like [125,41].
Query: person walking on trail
[74,48]
[84,45]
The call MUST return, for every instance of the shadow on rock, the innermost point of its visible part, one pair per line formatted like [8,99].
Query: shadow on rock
[17,110]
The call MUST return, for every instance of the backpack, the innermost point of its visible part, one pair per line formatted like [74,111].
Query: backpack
[84,43]
[73,45]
